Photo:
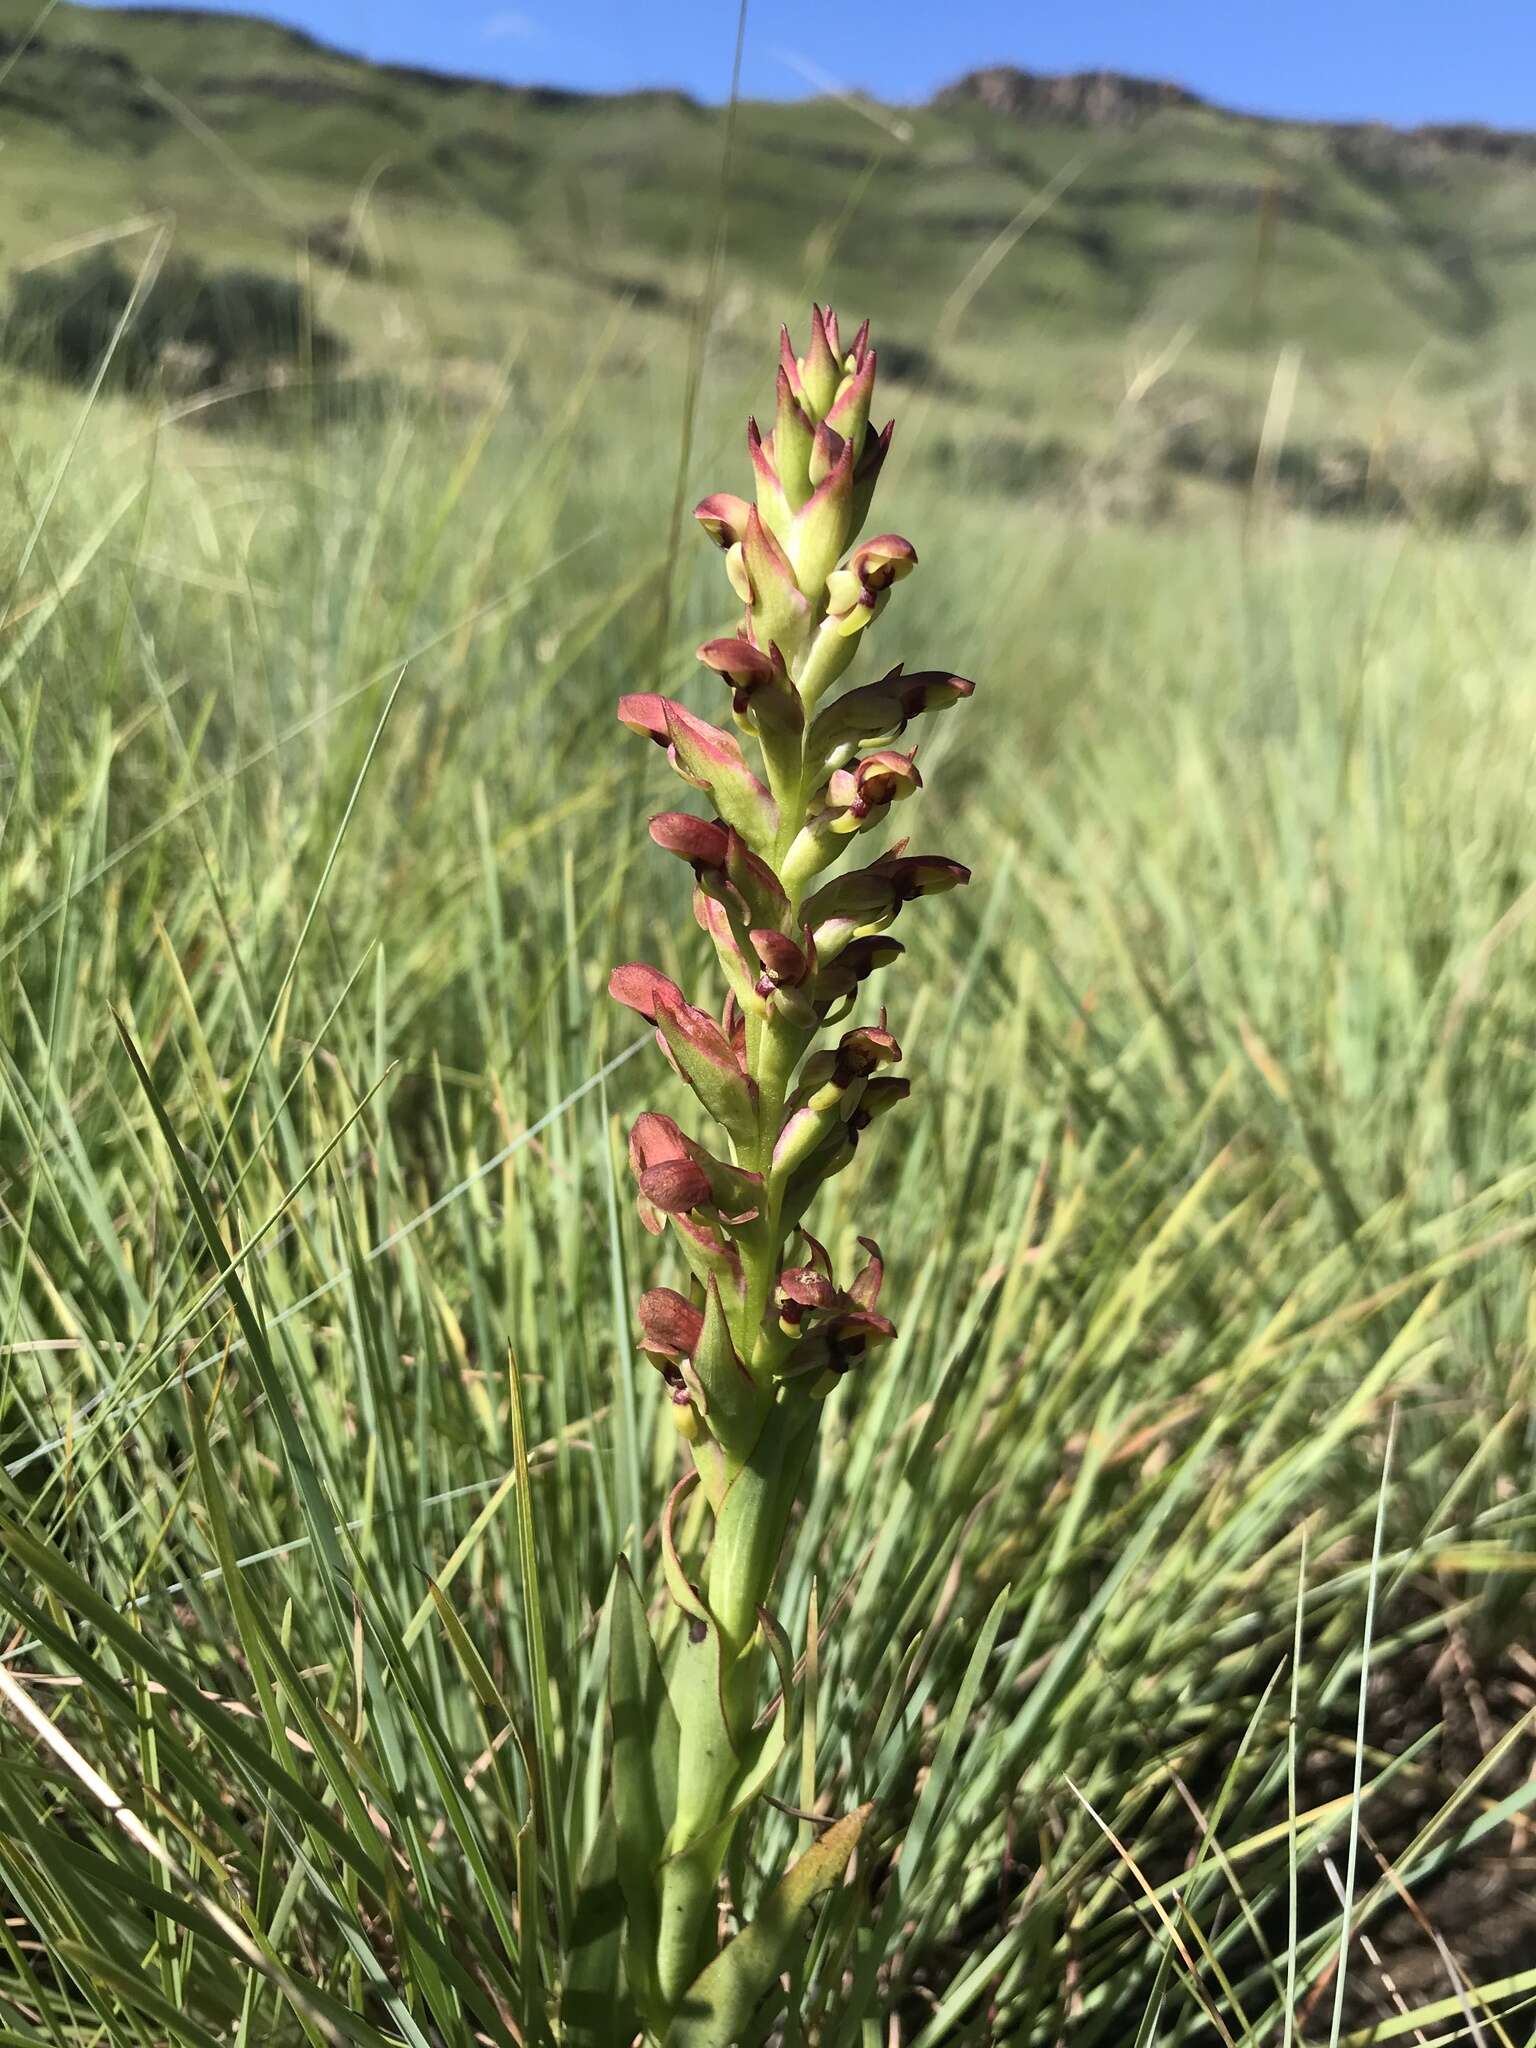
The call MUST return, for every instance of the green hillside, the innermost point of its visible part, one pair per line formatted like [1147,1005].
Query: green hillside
[1117,263]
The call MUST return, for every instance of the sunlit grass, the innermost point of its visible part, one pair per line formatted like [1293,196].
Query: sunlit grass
[1223,1157]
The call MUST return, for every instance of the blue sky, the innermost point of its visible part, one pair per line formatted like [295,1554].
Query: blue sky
[1397,60]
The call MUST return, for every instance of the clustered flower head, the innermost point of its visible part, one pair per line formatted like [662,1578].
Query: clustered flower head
[794,956]
[792,1066]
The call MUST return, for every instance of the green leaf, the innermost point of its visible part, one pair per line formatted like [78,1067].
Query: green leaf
[137,1992]
[550,1799]
[707,1065]
[319,1512]
[645,1745]
[720,2003]
[763,1761]
[595,2003]
[713,760]
[708,1764]
[733,1401]
[710,1761]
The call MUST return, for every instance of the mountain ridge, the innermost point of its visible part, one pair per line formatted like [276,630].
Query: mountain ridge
[1090,252]
[1095,97]
[1111,98]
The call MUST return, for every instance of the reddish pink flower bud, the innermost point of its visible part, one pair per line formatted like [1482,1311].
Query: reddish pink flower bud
[919,874]
[656,717]
[739,661]
[644,712]
[674,1186]
[759,681]
[639,987]
[863,1049]
[862,793]
[929,689]
[670,1325]
[883,560]
[676,1175]
[723,517]
[654,1138]
[701,841]
[785,964]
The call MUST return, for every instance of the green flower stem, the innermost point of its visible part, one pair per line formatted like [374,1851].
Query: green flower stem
[742,1564]
[784,763]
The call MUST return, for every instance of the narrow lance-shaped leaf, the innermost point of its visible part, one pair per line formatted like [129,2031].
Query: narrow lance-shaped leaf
[595,2004]
[720,2004]
[713,760]
[736,1405]
[645,1740]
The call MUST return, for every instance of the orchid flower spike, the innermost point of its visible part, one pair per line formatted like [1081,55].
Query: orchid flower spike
[759,1329]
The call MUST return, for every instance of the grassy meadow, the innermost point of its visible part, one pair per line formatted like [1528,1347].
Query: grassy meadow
[1166,1585]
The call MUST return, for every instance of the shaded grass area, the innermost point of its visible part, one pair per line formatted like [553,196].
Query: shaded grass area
[1218,1175]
